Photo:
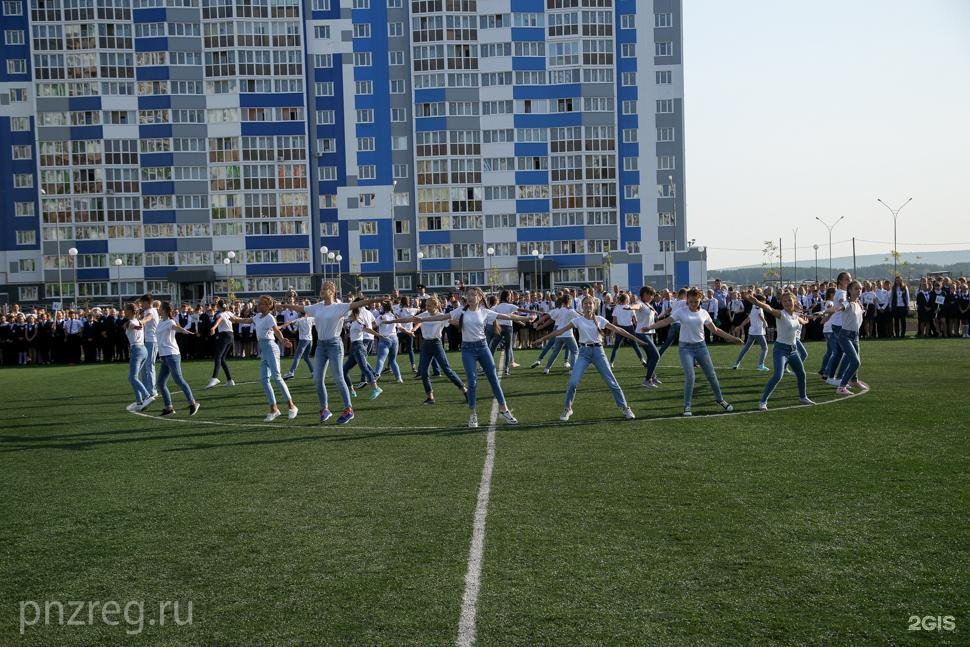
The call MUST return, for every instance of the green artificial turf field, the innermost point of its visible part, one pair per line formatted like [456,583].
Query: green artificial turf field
[822,525]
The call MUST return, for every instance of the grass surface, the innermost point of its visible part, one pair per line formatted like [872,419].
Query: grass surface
[824,525]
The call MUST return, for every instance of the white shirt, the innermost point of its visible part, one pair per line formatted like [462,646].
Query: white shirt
[165,334]
[151,333]
[329,319]
[474,322]
[506,309]
[561,317]
[646,315]
[431,329]
[589,329]
[223,323]
[364,320]
[388,329]
[403,313]
[623,316]
[290,315]
[882,298]
[264,326]
[304,328]
[789,328]
[691,324]
[135,332]
[827,327]
[757,326]
[836,319]
[852,317]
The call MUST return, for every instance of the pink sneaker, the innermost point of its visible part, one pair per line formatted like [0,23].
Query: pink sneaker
[862,385]
[843,391]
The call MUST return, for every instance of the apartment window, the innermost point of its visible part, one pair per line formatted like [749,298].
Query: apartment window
[365,116]
[368,227]
[369,256]
[364,87]
[629,79]
[400,171]
[321,32]
[26,237]
[328,173]
[663,20]
[16,66]
[23,181]
[361,4]
[395,4]
[369,283]
[629,135]
[633,247]
[321,5]
[632,220]
[666,162]
[631,191]
[362,59]
[323,60]
[665,106]
[398,86]
[361,30]
[324,89]
[665,77]
[628,50]
[399,115]
[365,144]
[13,8]
[630,107]
[26,265]
[395,29]
[628,21]
[665,134]
[367,172]
[666,219]
[22,152]
[403,282]
[630,164]
[19,124]
[402,227]
[664,49]
[13,37]
[395,58]
[24,209]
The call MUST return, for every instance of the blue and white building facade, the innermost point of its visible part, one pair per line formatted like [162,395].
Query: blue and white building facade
[419,141]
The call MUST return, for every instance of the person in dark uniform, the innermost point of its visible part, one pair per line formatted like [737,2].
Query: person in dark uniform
[106,342]
[90,336]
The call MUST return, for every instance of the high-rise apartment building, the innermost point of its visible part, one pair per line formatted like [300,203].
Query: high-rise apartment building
[494,142]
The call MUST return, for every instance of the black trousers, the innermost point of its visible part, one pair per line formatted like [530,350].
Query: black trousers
[899,321]
[223,344]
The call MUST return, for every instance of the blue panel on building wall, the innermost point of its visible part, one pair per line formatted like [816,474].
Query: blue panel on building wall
[532,149]
[629,150]
[84,103]
[528,33]
[264,100]
[566,260]
[151,44]
[434,237]
[629,233]
[548,121]
[155,102]
[277,242]
[161,244]
[148,15]
[429,95]
[546,91]
[92,274]
[265,269]
[436,264]
[424,124]
[532,177]
[92,246]
[629,177]
[626,65]
[527,63]
[153,73]
[86,132]
[158,272]
[158,188]
[634,279]
[156,159]
[157,217]
[681,273]
[529,6]
[531,206]
[545,233]
[155,130]
[274,128]
[626,36]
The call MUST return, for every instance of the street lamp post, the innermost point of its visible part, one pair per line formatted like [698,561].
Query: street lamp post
[830,228]
[673,196]
[538,279]
[815,247]
[535,263]
[895,213]
[340,278]
[332,258]
[420,256]
[324,250]
[118,264]
[491,276]
[230,288]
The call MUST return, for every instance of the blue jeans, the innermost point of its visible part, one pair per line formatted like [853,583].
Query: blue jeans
[433,350]
[566,341]
[405,343]
[387,352]
[136,360]
[831,369]
[302,352]
[653,355]
[504,338]
[781,355]
[849,345]
[593,355]
[269,369]
[751,340]
[673,332]
[172,365]
[828,352]
[477,352]
[148,368]
[620,339]
[358,356]
[697,352]
[330,352]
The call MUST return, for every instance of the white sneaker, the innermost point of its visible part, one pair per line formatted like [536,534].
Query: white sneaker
[212,383]
[271,416]
[568,365]
[565,414]
[805,401]
[832,381]
[473,420]
[145,404]
[292,413]
[534,364]
[509,418]
[288,375]
[514,365]
[545,371]
[230,383]
[762,406]
[133,407]
[628,414]
[507,372]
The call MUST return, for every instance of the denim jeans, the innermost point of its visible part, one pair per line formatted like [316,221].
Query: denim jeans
[749,342]
[330,352]
[136,360]
[476,352]
[697,352]
[505,338]
[849,345]
[269,369]
[835,352]
[433,350]
[148,368]
[653,355]
[546,348]
[673,332]
[172,365]
[302,352]
[223,346]
[593,355]
[566,341]
[387,352]
[620,339]
[781,355]
[358,357]
[828,352]
[405,344]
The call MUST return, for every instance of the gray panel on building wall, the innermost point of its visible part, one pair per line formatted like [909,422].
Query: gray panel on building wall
[601,232]
[467,235]
[597,89]
[665,120]
[184,43]
[461,94]
[347,36]
[191,215]
[14,267]
[186,72]
[186,101]
[194,244]
[190,159]
[180,14]
[463,123]
[52,104]
[57,133]
[189,130]
[599,118]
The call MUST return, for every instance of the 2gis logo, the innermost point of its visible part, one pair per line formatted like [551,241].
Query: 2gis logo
[932,623]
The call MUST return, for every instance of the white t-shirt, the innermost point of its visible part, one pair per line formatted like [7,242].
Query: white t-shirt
[691,324]
[677,304]
[263,324]
[789,328]
[506,309]
[840,298]
[589,329]
[304,328]
[561,317]
[430,329]
[329,319]
[623,316]
[135,332]
[151,326]
[827,327]
[757,326]
[852,317]
[405,312]
[224,324]
[388,329]
[364,320]
[165,334]
[474,322]
[646,315]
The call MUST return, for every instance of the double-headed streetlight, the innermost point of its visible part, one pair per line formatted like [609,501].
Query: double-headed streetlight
[830,228]
[895,213]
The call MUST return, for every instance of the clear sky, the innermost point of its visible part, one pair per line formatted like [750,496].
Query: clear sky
[802,109]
